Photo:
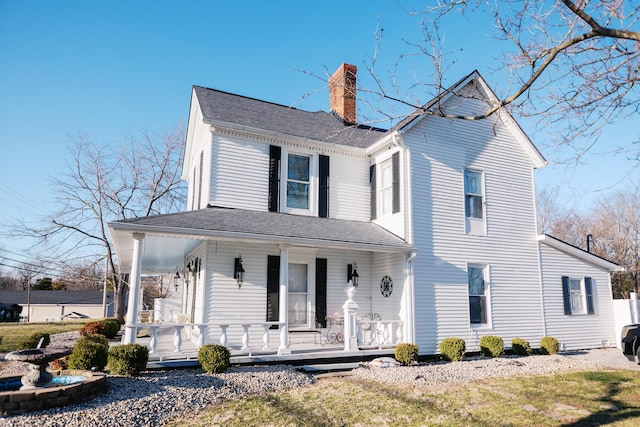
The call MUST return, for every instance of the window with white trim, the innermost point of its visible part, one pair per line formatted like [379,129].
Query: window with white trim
[298,181]
[474,195]
[577,295]
[478,294]
[385,191]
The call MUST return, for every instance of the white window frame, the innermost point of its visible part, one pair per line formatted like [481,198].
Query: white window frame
[579,295]
[385,189]
[313,182]
[487,296]
[474,225]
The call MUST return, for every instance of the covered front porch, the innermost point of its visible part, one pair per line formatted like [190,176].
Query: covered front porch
[269,298]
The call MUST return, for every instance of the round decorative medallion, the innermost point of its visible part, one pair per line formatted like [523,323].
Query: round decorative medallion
[386,286]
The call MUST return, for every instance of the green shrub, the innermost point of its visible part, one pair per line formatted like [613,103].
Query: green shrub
[214,358]
[113,327]
[100,339]
[128,359]
[521,347]
[88,353]
[33,340]
[549,345]
[491,346]
[406,353]
[453,349]
[94,328]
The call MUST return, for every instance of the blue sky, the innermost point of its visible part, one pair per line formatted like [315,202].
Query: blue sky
[111,68]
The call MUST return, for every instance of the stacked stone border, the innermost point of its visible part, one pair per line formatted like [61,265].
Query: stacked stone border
[18,402]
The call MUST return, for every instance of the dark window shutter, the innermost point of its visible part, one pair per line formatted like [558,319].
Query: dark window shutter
[589,290]
[321,292]
[373,190]
[349,271]
[566,295]
[273,286]
[395,170]
[323,193]
[274,178]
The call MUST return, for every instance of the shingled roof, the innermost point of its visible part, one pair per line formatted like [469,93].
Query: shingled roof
[258,225]
[55,297]
[220,107]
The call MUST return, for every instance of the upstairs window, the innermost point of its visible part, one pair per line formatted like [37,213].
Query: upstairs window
[478,292]
[474,195]
[385,191]
[298,181]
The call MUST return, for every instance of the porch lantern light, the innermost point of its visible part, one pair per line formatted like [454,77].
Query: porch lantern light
[176,278]
[238,271]
[355,277]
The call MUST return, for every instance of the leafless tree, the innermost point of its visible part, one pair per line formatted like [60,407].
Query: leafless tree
[110,182]
[613,221]
[570,65]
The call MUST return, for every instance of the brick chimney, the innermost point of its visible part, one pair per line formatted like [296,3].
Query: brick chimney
[342,92]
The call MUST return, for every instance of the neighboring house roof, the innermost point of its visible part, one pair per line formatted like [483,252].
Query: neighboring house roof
[579,252]
[220,108]
[536,156]
[239,224]
[55,297]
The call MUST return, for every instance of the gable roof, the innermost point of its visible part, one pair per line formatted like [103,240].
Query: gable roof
[412,119]
[55,297]
[241,112]
[578,252]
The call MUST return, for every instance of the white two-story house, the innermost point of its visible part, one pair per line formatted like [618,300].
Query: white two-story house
[434,220]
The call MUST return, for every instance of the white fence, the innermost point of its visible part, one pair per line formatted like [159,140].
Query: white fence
[626,311]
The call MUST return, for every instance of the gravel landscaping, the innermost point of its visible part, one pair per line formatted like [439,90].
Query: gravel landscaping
[158,396]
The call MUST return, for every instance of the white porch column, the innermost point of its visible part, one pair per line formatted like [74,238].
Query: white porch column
[350,320]
[134,289]
[283,315]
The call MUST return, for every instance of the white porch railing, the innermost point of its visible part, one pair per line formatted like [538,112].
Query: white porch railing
[167,340]
[379,333]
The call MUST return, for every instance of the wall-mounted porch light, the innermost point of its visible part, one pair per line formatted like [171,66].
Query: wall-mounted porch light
[352,274]
[238,271]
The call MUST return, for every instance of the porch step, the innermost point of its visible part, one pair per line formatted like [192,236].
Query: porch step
[329,369]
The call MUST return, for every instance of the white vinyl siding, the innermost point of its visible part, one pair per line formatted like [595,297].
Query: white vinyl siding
[582,330]
[444,248]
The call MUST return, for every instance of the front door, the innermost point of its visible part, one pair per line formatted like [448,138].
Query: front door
[298,295]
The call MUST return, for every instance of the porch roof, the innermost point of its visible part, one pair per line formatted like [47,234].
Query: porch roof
[244,226]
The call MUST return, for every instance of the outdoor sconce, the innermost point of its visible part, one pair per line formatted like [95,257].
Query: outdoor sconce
[352,274]
[238,271]
[176,278]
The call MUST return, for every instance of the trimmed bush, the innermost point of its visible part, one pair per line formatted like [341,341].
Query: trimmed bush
[214,358]
[100,339]
[406,353]
[521,347]
[128,359]
[33,340]
[549,345]
[94,328]
[491,346]
[113,326]
[89,353]
[453,349]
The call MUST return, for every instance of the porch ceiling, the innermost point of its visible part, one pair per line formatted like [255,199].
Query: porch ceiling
[170,237]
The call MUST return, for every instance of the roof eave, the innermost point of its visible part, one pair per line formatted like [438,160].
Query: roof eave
[579,253]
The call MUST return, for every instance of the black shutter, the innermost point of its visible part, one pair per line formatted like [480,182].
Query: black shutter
[321,292]
[323,193]
[274,178]
[349,271]
[395,170]
[589,290]
[273,287]
[566,294]
[373,190]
